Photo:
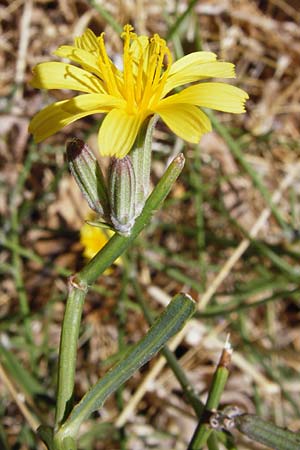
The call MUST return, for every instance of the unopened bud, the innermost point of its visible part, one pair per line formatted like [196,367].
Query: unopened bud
[141,161]
[122,195]
[87,173]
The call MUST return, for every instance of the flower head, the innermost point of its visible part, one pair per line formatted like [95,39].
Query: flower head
[138,91]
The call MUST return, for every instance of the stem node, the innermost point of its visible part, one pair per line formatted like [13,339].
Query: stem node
[75,283]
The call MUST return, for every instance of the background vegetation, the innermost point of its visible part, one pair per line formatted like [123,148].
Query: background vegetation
[228,234]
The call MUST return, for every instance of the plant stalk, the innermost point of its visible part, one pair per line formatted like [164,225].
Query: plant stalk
[203,430]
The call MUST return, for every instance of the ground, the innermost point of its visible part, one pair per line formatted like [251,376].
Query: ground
[228,234]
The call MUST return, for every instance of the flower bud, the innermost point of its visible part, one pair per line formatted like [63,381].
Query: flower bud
[122,195]
[87,173]
[141,161]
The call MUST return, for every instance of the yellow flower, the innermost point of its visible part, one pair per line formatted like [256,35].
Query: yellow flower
[138,91]
[93,239]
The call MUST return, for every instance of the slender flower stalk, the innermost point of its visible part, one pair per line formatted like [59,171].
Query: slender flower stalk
[141,89]
[203,430]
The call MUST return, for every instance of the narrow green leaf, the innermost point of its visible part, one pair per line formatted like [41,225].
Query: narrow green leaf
[267,433]
[167,325]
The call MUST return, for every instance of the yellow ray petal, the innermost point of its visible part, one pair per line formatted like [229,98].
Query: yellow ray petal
[216,69]
[117,133]
[93,238]
[59,114]
[58,75]
[88,41]
[192,59]
[87,60]
[187,121]
[219,96]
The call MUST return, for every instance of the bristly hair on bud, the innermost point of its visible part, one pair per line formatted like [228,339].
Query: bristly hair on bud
[88,175]
[122,186]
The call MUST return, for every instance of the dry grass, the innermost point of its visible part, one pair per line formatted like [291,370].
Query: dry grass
[215,238]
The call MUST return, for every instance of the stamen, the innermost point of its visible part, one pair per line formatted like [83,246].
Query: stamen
[128,75]
[152,64]
[163,80]
[139,78]
[126,30]
[161,54]
[92,39]
[86,41]
[106,68]
[142,80]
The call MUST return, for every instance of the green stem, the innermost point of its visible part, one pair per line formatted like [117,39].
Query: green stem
[212,442]
[115,247]
[203,430]
[68,350]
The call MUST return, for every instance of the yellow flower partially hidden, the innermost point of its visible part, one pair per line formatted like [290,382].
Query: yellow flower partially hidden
[138,91]
[93,239]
